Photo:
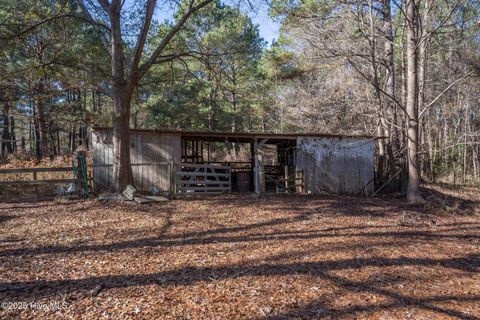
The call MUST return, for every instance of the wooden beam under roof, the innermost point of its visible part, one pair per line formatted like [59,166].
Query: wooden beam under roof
[239,137]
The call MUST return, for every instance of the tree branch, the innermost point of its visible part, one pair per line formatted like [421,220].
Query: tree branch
[165,41]
[104,4]
[142,37]
[445,90]
[102,35]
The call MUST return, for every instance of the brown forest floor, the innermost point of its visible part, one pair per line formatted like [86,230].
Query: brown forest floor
[236,257]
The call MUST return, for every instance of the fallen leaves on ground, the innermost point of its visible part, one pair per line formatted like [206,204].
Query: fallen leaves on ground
[237,257]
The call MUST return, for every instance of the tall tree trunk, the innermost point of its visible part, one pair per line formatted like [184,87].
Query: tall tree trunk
[422,54]
[423,41]
[38,149]
[53,146]
[58,142]
[413,190]
[212,148]
[429,132]
[464,165]
[94,102]
[72,139]
[122,95]
[83,127]
[6,137]
[475,162]
[382,130]
[394,144]
[12,134]
[122,170]
[42,126]
[31,134]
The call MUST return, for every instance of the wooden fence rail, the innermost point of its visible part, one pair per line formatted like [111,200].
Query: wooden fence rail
[29,170]
[34,172]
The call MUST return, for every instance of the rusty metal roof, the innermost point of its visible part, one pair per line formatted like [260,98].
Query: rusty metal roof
[242,137]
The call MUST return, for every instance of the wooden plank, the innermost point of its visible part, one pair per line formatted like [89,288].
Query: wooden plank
[31,170]
[34,182]
[206,182]
[173,183]
[290,179]
[139,169]
[205,188]
[148,157]
[134,150]
[206,165]
[157,198]
[150,199]
[197,181]
[202,174]
[109,160]
[133,164]
[193,194]
[156,178]
[143,170]
[142,150]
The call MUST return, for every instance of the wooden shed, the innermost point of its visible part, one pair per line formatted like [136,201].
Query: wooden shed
[152,157]
[179,162]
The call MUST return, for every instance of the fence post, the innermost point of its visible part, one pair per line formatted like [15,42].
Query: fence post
[229,170]
[261,178]
[173,178]
[300,185]
[90,179]
[34,174]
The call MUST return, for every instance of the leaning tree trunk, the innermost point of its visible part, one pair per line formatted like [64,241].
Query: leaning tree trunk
[413,190]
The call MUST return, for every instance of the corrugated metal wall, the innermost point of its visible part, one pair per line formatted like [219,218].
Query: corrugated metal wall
[152,156]
[336,165]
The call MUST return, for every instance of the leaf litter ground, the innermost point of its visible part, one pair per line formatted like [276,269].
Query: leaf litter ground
[237,257]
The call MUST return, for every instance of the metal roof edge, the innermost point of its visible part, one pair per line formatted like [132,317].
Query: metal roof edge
[243,134]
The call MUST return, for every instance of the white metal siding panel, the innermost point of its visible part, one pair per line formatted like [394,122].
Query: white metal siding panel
[336,165]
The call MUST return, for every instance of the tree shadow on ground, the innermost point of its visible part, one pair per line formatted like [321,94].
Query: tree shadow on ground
[227,235]
[318,309]
[217,236]
[185,276]
[322,204]
[443,202]
[323,270]
[5,218]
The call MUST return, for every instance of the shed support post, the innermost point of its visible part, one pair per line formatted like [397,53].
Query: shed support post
[34,174]
[259,173]
[252,163]
[173,178]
